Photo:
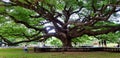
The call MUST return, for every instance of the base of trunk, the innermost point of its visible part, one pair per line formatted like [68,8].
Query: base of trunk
[67,45]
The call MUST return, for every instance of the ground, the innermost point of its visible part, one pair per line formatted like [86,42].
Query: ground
[19,53]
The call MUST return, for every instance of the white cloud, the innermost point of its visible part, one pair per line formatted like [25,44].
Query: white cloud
[6,0]
[118,12]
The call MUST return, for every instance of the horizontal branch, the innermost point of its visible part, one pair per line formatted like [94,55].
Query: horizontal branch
[40,38]
[5,40]
[92,33]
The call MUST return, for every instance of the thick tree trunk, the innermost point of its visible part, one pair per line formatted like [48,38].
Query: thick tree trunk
[67,42]
[65,38]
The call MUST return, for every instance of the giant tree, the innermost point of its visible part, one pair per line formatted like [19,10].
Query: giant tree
[67,19]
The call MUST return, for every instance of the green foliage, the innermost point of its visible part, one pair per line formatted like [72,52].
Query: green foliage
[100,29]
[21,13]
[83,39]
[72,3]
[103,23]
[2,9]
[110,37]
[2,19]
[12,27]
[23,1]
[52,2]
[35,22]
[54,41]
[12,30]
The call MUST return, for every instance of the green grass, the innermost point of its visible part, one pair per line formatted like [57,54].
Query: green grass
[19,53]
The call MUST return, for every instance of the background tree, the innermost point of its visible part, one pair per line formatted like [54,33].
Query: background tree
[83,40]
[54,42]
[109,38]
[67,18]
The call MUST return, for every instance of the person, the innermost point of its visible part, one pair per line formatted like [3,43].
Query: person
[99,43]
[26,48]
[118,45]
[104,43]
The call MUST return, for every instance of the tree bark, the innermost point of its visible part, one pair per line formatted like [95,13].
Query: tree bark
[67,42]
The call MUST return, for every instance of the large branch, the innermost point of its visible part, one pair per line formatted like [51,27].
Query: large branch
[33,39]
[43,12]
[110,29]
[93,6]
[90,30]
[5,40]
[77,10]
[67,13]
[40,38]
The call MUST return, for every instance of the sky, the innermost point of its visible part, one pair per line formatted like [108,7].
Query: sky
[115,19]
[6,0]
[118,12]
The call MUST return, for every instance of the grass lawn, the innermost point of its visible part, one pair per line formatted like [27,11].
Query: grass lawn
[19,53]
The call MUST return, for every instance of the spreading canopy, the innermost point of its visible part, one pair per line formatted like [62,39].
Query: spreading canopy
[34,20]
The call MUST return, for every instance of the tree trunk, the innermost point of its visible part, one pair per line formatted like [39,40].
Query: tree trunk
[66,39]
[67,42]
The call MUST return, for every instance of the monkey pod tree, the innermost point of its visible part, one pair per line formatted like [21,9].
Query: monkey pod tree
[67,18]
